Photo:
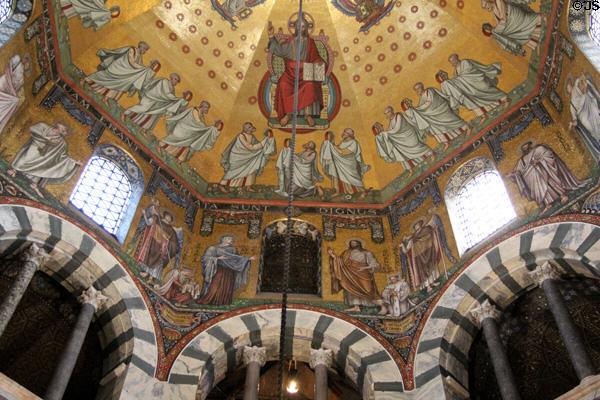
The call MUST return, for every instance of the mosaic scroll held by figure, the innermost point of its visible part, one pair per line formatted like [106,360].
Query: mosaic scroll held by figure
[318,90]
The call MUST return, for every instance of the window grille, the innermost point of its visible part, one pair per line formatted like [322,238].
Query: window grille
[595,26]
[5,9]
[477,202]
[102,193]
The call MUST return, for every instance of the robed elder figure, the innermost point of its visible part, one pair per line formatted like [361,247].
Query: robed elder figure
[310,95]
[585,110]
[44,158]
[542,176]
[224,271]
[422,252]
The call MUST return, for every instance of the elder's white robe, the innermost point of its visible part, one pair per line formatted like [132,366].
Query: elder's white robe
[92,12]
[344,162]
[306,173]
[585,110]
[474,86]
[11,90]
[186,132]
[157,100]
[245,159]
[435,115]
[402,142]
[517,26]
[120,71]
[44,157]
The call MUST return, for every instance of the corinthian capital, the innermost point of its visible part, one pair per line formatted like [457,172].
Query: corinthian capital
[543,272]
[255,354]
[93,297]
[35,255]
[320,357]
[485,310]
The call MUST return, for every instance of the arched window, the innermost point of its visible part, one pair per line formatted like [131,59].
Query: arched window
[584,27]
[109,189]
[13,15]
[5,9]
[305,268]
[477,202]
[595,25]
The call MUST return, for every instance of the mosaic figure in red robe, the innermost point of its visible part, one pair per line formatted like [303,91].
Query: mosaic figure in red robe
[310,96]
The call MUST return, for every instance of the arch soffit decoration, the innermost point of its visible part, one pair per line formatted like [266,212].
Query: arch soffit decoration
[218,350]
[498,273]
[79,260]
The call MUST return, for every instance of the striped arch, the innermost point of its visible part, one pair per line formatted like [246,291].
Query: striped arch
[78,260]
[217,351]
[500,275]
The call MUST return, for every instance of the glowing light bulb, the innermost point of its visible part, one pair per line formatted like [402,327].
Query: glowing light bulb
[292,387]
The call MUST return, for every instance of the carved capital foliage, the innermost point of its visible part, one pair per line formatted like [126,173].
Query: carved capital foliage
[93,297]
[543,272]
[485,310]
[255,354]
[320,357]
[35,255]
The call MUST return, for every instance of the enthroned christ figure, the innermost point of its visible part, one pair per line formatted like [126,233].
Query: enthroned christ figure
[310,95]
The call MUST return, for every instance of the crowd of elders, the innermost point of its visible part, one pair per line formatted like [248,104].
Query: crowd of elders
[473,86]
[123,71]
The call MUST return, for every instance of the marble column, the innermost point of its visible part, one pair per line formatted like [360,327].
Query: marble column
[32,258]
[320,360]
[546,276]
[91,300]
[487,315]
[254,358]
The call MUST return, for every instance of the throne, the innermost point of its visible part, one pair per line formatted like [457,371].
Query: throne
[330,87]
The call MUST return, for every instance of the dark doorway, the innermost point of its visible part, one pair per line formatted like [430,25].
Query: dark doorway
[37,334]
[535,349]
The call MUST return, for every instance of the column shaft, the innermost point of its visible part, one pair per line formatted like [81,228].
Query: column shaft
[568,330]
[15,293]
[251,384]
[321,382]
[67,361]
[504,375]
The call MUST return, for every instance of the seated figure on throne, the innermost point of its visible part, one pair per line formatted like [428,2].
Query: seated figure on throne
[312,74]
